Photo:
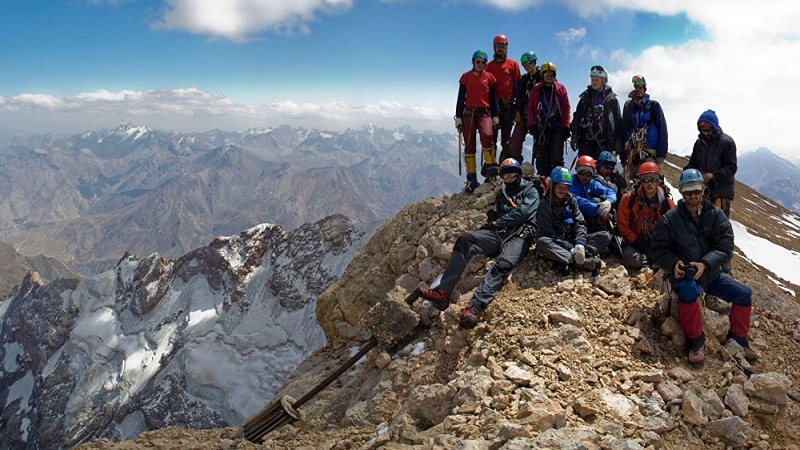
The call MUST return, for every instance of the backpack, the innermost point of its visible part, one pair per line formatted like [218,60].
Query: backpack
[635,183]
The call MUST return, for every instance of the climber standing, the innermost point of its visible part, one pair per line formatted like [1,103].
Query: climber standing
[507,235]
[597,122]
[522,91]
[645,129]
[690,242]
[507,73]
[476,110]
[714,155]
[548,120]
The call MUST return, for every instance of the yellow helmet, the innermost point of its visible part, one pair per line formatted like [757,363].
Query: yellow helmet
[548,66]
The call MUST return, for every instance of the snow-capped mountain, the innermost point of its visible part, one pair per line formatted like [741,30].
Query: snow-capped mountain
[201,341]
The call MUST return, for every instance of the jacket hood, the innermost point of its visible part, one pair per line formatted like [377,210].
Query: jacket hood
[711,117]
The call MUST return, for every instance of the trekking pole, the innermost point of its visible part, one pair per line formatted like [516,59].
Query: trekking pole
[459,151]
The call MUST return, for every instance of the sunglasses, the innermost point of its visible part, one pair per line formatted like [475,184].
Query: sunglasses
[584,173]
[691,193]
[706,130]
[649,180]
[509,176]
[501,45]
[480,61]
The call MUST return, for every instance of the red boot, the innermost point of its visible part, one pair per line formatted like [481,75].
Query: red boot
[438,298]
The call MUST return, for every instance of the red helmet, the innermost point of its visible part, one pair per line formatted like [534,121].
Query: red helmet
[649,167]
[586,160]
[500,39]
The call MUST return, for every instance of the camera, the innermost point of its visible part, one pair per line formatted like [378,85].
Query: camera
[689,271]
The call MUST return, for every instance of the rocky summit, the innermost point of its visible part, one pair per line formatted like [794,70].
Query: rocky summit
[554,363]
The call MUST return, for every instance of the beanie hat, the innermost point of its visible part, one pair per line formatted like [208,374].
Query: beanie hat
[709,117]
[598,71]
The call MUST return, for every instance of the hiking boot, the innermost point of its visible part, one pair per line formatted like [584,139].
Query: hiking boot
[472,183]
[564,269]
[438,298]
[697,357]
[490,170]
[749,354]
[469,317]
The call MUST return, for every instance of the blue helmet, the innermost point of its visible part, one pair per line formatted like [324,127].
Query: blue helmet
[560,175]
[691,180]
[510,165]
[479,54]
[527,57]
[606,157]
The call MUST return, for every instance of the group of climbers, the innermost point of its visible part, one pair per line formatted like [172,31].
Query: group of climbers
[576,218]
[496,101]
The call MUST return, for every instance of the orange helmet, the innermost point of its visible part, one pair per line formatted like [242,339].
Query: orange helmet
[586,160]
[500,39]
[649,167]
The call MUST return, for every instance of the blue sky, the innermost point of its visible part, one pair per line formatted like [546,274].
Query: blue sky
[193,65]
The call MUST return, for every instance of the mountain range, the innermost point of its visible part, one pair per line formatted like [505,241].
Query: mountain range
[771,175]
[86,199]
[203,341]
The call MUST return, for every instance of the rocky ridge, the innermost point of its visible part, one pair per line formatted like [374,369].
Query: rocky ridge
[554,363]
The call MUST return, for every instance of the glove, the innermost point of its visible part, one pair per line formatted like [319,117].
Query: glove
[565,134]
[604,208]
[640,244]
[579,254]
[533,130]
[574,144]
[458,123]
[495,121]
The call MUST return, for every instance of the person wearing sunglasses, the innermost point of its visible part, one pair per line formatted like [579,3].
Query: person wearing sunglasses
[608,175]
[476,110]
[548,120]
[595,199]
[507,236]
[597,122]
[645,129]
[507,73]
[638,213]
[714,155]
[690,242]
[563,237]
[522,90]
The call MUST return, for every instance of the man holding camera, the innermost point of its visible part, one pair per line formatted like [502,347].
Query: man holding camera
[690,242]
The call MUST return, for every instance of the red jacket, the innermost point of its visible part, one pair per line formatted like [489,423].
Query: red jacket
[562,101]
[507,73]
[639,219]
[477,88]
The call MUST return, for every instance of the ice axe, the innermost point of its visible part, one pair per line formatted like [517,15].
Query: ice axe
[385,332]
[459,151]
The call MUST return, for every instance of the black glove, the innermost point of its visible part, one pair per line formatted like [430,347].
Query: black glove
[640,244]
[533,130]
[491,216]
[565,134]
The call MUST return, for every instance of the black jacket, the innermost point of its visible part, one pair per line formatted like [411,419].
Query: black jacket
[561,221]
[677,237]
[718,156]
[597,118]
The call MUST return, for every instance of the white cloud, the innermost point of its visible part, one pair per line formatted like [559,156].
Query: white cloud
[570,36]
[195,110]
[238,20]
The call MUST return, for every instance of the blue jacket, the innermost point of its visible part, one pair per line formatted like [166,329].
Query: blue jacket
[585,192]
[649,114]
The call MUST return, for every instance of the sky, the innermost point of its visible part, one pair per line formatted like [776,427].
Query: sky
[192,65]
